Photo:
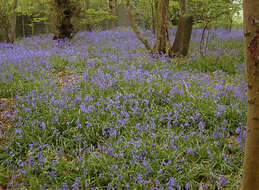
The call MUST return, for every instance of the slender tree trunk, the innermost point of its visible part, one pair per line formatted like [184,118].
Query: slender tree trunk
[230,21]
[112,6]
[202,41]
[156,14]
[23,26]
[153,17]
[162,31]
[87,6]
[251,35]
[14,18]
[229,15]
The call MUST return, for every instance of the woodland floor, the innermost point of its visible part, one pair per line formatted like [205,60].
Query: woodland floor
[101,113]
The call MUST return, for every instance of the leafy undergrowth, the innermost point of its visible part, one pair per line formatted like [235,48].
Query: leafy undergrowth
[100,113]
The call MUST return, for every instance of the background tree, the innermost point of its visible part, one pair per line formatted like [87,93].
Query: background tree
[182,39]
[13,27]
[162,40]
[63,11]
[5,13]
[33,16]
[112,7]
[87,6]
[251,34]
[153,16]
[136,30]
[211,13]
[183,35]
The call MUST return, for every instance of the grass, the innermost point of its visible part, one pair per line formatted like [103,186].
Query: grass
[101,113]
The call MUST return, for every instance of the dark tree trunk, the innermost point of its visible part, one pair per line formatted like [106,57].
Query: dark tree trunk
[64,27]
[183,36]
[251,36]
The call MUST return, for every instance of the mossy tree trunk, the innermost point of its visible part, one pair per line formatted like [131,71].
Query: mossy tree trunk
[251,35]
[64,13]
[162,29]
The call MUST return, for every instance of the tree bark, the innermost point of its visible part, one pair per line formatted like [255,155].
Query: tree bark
[14,18]
[182,38]
[162,30]
[64,13]
[251,35]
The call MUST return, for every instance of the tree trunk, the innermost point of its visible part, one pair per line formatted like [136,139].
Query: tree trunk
[6,36]
[182,7]
[162,30]
[14,18]
[229,15]
[182,38]
[64,27]
[23,27]
[202,41]
[87,6]
[251,35]
[153,17]
[112,6]
[156,14]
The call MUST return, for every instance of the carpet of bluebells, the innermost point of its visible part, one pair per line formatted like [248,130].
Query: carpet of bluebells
[100,113]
